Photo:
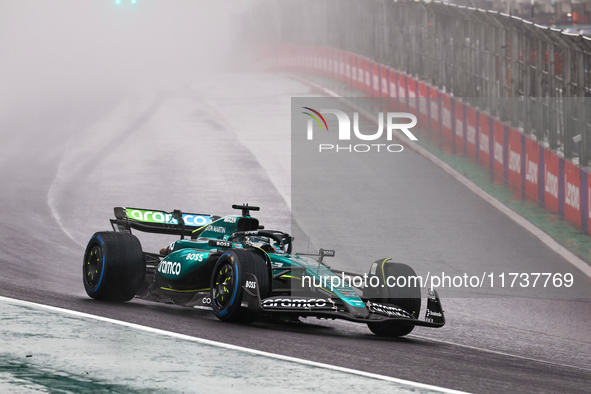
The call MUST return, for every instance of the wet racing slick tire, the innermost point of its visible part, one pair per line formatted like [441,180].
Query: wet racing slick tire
[407,297]
[227,281]
[114,267]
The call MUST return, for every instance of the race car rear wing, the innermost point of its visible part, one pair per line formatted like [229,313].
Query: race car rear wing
[161,222]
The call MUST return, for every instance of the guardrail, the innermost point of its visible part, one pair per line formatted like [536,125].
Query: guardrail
[532,170]
[517,71]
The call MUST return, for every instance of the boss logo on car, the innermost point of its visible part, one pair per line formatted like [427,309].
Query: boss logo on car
[169,267]
[195,256]
[250,284]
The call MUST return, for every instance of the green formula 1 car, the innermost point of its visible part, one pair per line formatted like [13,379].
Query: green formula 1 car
[241,271]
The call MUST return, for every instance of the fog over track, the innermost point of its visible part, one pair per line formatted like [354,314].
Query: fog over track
[104,107]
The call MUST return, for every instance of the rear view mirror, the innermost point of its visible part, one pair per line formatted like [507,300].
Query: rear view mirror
[326,252]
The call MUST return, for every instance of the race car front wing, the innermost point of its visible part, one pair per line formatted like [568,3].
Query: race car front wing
[332,308]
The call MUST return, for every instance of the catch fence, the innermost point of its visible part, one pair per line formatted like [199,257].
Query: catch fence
[511,68]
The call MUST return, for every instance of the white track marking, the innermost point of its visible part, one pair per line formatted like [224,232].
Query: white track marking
[542,236]
[58,218]
[498,352]
[228,346]
[270,170]
[90,139]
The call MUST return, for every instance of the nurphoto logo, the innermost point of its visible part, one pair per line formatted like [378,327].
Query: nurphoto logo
[344,130]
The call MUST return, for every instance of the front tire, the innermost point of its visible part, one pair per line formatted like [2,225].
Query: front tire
[407,298]
[227,281]
[114,267]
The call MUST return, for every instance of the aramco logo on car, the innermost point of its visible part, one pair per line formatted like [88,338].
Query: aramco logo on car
[344,131]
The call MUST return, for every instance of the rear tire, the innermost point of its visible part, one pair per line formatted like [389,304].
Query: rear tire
[407,298]
[114,267]
[227,281]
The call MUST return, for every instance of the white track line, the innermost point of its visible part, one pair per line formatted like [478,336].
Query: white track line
[230,347]
[58,218]
[497,352]
[542,236]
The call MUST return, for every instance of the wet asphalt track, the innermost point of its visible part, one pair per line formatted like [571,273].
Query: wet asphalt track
[64,168]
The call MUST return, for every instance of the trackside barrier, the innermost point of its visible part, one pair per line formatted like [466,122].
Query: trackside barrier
[349,68]
[367,65]
[534,172]
[393,87]
[384,81]
[552,166]
[484,139]
[375,80]
[458,122]
[534,177]
[434,106]
[499,150]
[402,92]
[572,193]
[446,117]
[423,96]
[355,81]
[471,135]
[515,144]
[411,88]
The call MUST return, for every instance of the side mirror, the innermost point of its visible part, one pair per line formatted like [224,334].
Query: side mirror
[326,253]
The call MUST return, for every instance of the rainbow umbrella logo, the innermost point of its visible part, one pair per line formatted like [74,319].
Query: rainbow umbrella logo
[315,118]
